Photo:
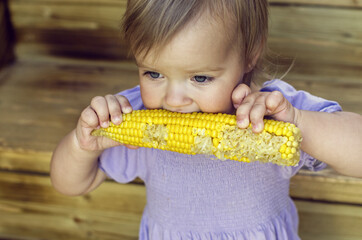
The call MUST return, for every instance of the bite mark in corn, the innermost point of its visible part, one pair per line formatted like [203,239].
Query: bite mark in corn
[207,133]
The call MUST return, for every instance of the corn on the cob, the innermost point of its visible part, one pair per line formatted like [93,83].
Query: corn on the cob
[207,133]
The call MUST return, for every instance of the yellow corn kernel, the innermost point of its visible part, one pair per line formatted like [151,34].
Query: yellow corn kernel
[207,133]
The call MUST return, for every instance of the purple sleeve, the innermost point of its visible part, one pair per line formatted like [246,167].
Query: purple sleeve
[134,97]
[120,163]
[123,164]
[304,101]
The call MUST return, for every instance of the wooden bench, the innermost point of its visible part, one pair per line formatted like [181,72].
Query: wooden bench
[69,51]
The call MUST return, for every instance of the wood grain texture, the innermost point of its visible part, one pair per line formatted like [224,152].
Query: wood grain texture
[326,185]
[319,35]
[313,34]
[45,98]
[328,221]
[69,28]
[31,209]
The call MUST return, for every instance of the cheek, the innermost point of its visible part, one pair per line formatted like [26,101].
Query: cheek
[150,97]
[220,97]
[217,101]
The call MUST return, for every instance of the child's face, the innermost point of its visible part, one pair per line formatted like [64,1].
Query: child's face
[197,71]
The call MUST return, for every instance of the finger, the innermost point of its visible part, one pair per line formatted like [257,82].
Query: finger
[125,105]
[243,111]
[257,113]
[279,107]
[239,93]
[99,105]
[89,118]
[114,108]
[275,102]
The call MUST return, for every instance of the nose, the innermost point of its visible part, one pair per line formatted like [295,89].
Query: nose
[177,95]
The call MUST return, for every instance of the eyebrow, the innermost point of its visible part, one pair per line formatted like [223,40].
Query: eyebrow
[205,69]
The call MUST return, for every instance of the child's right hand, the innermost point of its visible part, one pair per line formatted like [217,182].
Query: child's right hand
[98,114]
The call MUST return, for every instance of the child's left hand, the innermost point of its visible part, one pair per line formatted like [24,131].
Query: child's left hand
[253,106]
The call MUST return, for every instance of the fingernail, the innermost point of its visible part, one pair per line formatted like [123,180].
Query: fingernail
[105,124]
[127,109]
[257,127]
[243,123]
[116,119]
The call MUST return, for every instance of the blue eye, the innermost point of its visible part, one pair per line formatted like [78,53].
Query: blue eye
[202,79]
[153,75]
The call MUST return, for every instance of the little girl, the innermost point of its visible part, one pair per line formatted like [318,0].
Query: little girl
[204,55]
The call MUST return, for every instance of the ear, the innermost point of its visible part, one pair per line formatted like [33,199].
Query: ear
[253,58]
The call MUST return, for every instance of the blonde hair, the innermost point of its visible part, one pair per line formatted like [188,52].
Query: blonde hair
[149,24]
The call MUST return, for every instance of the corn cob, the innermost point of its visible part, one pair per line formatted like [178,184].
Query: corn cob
[207,133]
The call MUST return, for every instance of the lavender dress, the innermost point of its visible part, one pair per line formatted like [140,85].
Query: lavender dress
[198,197]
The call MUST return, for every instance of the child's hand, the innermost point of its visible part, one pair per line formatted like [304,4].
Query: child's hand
[253,106]
[101,111]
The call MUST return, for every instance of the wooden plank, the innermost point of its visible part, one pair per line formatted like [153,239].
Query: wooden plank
[59,15]
[103,44]
[326,185]
[324,221]
[330,36]
[23,160]
[314,34]
[31,209]
[70,28]
[67,29]
[43,100]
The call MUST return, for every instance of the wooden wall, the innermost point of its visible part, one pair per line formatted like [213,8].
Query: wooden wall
[70,50]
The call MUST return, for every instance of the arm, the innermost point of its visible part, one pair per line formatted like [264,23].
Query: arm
[74,171]
[74,165]
[334,138]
